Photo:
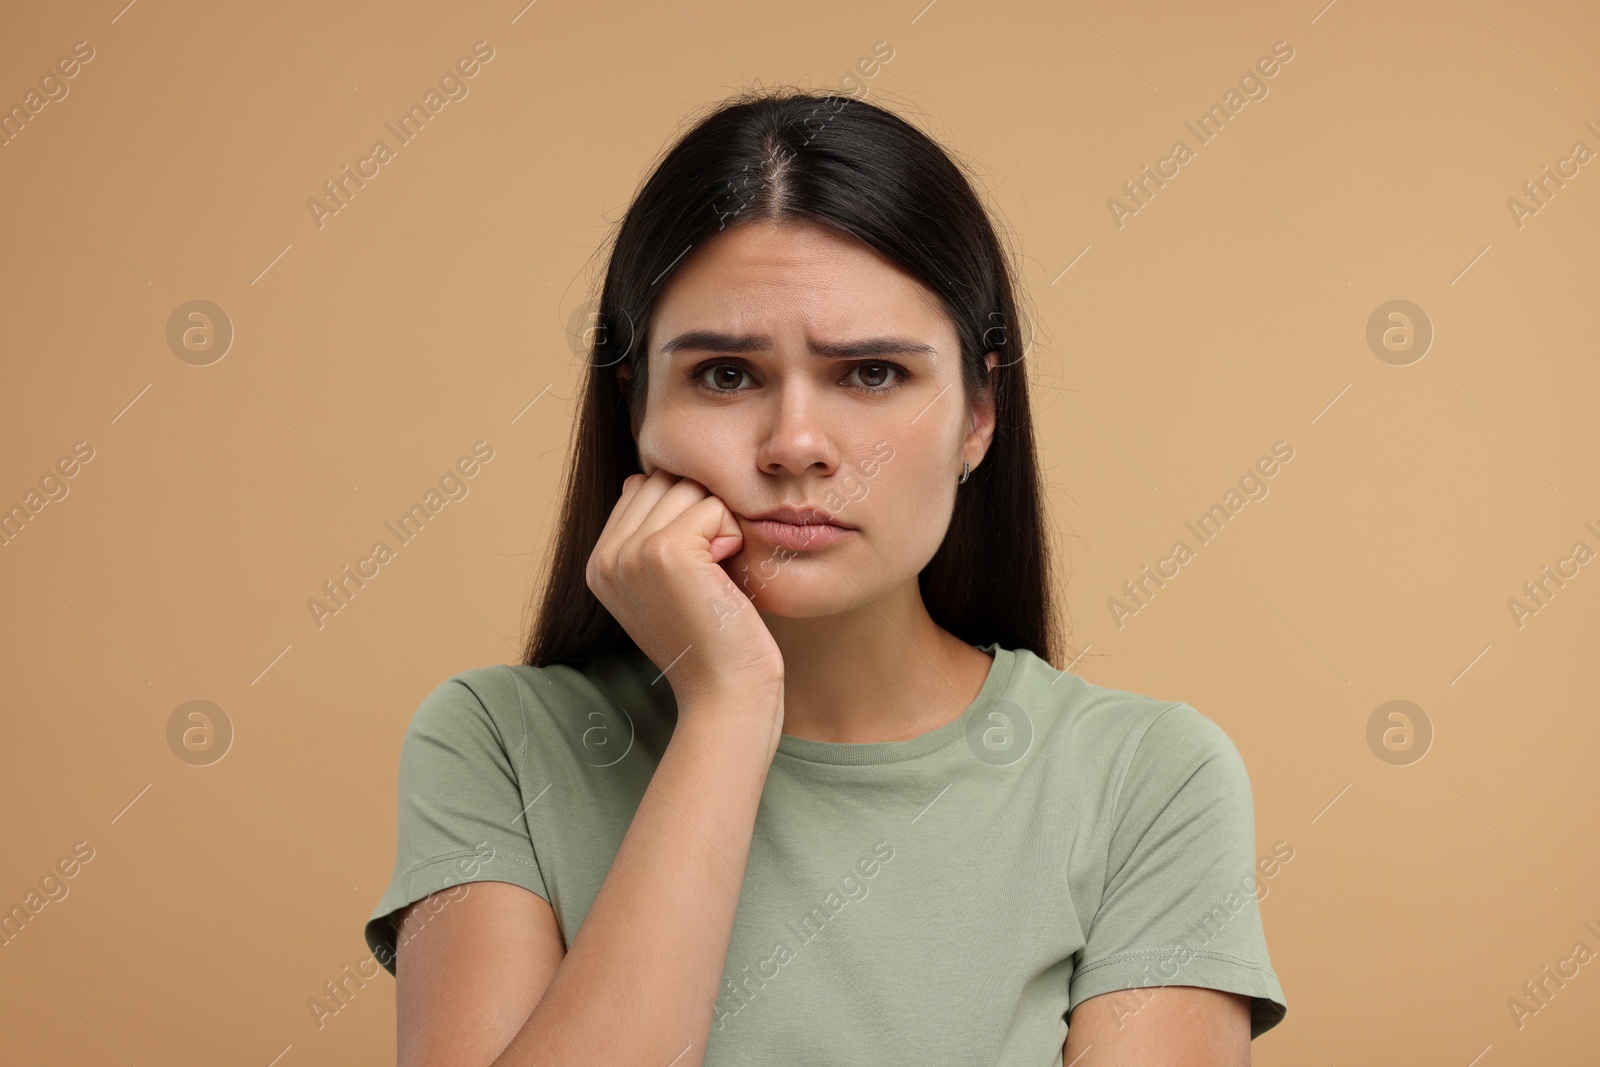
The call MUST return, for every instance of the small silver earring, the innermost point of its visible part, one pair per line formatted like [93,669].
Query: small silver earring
[965,470]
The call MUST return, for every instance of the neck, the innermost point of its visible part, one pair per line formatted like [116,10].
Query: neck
[883,671]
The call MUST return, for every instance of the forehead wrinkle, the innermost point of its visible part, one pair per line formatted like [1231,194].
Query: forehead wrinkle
[856,348]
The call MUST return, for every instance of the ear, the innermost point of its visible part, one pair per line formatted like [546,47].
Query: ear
[976,445]
[624,376]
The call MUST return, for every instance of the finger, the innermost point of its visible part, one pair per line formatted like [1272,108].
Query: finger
[639,497]
[648,488]
[723,547]
[672,503]
[613,523]
[710,519]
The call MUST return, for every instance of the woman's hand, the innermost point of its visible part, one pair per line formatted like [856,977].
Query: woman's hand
[656,569]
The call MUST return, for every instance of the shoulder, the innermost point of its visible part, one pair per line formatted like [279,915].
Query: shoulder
[1139,742]
[521,706]
[504,689]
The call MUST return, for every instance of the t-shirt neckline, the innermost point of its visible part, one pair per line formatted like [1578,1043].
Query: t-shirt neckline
[878,752]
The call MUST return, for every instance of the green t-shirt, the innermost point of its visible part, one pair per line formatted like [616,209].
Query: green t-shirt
[945,899]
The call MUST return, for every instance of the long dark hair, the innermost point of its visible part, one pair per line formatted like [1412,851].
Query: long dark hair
[864,171]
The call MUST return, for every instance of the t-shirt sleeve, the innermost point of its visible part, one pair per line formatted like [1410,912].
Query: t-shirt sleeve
[462,816]
[1180,904]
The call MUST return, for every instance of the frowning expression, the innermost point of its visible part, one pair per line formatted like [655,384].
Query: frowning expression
[792,366]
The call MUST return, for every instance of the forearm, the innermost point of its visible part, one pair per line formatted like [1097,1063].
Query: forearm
[638,982]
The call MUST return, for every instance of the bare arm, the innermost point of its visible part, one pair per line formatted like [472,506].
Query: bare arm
[638,982]
[1166,1026]
[468,974]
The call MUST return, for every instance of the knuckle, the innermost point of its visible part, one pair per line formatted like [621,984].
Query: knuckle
[656,548]
[600,566]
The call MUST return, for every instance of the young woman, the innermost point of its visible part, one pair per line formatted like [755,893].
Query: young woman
[788,775]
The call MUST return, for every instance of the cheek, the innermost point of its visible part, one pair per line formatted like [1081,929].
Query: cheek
[674,445]
[907,493]
[660,445]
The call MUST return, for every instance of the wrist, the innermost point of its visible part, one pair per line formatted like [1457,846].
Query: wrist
[720,720]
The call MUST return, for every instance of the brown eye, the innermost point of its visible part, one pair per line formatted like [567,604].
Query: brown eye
[723,377]
[871,375]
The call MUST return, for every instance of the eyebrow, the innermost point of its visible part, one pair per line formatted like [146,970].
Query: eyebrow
[713,341]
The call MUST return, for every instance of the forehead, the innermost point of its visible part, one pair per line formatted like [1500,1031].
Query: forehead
[796,274]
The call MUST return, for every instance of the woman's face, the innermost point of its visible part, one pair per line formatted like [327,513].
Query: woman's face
[793,366]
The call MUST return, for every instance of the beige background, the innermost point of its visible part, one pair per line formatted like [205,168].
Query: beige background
[1229,313]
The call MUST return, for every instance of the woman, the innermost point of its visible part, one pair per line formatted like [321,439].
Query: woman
[787,775]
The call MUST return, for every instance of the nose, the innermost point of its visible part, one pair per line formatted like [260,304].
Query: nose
[799,440]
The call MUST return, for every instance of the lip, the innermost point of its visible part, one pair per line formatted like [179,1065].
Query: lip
[804,515]
[799,537]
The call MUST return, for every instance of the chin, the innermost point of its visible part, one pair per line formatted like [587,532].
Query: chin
[792,593]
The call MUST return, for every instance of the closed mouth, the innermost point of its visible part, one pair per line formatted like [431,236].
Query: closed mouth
[801,516]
